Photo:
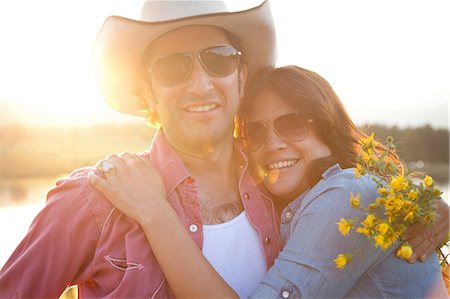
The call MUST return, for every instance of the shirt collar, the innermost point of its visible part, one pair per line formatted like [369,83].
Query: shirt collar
[168,162]
[171,166]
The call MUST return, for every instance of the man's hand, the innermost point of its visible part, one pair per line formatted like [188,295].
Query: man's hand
[424,240]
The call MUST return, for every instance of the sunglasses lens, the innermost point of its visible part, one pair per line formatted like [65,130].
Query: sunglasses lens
[172,69]
[255,134]
[220,61]
[292,127]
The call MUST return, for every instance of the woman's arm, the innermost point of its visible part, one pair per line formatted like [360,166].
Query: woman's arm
[136,188]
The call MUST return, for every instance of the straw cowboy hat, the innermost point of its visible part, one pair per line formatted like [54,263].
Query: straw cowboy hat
[121,42]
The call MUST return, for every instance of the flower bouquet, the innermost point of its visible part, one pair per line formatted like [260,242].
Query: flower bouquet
[404,198]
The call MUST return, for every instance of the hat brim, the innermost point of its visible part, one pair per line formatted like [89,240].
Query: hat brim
[121,43]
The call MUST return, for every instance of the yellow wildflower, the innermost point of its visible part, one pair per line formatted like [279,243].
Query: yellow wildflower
[380,200]
[437,192]
[372,206]
[358,170]
[413,194]
[399,183]
[367,158]
[383,241]
[368,142]
[428,181]
[354,200]
[405,251]
[383,228]
[394,203]
[344,226]
[428,218]
[409,217]
[342,259]
[369,221]
[382,191]
[364,231]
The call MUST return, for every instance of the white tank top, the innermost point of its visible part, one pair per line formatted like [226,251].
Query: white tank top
[234,249]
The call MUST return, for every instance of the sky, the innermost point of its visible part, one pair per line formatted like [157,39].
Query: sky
[388,60]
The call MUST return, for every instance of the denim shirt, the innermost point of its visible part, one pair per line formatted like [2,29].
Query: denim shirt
[305,267]
[80,238]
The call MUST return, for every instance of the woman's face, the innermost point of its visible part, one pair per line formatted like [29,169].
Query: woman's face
[283,161]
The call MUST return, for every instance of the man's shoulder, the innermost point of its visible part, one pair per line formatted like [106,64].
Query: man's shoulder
[75,192]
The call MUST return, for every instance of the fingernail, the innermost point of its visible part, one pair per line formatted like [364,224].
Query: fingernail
[423,257]
[413,258]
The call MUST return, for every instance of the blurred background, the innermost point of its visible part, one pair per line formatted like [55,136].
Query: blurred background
[388,61]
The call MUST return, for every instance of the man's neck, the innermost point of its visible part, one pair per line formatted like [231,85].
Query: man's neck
[215,169]
[217,159]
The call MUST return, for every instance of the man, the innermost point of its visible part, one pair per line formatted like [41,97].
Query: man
[185,64]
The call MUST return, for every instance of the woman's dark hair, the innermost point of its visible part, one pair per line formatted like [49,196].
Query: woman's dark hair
[314,98]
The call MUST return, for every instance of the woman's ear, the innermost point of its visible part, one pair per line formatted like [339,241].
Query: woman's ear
[243,73]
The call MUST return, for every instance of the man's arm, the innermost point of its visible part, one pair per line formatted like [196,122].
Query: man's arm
[56,246]
[426,239]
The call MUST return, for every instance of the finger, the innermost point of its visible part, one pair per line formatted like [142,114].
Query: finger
[98,164]
[98,182]
[127,156]
[422,251]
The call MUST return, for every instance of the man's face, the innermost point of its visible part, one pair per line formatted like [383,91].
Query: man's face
[199,111]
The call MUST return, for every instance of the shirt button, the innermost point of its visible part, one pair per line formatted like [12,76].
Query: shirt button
[267,240]
[288,215]
[241,166]
[285,294]
[189,180]
[246,196]
[193,228]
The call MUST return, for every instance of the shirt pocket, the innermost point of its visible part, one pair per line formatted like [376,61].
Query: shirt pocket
[123,264]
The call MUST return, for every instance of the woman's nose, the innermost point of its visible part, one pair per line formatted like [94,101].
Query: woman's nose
[273,141]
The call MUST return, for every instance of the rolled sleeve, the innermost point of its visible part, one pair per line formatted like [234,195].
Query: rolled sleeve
[58,246]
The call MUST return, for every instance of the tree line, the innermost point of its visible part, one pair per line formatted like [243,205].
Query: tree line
[421,143]
[39,151]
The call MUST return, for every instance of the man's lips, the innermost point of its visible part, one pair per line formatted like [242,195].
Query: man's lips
[199,108]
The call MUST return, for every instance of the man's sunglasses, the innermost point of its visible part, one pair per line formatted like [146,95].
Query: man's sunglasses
[291,127]
[173,69]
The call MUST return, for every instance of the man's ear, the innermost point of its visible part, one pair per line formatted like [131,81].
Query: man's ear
[147,95]
[243,73]
[151,114]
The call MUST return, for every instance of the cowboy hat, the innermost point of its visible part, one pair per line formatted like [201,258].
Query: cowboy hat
[121,42]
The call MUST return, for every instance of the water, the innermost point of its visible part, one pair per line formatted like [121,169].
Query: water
[22,199]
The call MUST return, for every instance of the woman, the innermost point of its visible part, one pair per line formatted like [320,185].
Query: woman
[303,147]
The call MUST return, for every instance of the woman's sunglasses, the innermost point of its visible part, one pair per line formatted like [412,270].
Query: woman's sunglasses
[218,61]
[291,127]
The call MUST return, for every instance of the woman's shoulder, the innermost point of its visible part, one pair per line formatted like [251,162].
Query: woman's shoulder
[336,180]
[345,177]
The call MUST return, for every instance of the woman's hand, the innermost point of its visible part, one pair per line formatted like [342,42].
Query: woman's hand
[424,240]
[131,184]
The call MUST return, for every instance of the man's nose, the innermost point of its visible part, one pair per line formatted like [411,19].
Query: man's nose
[199,81]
